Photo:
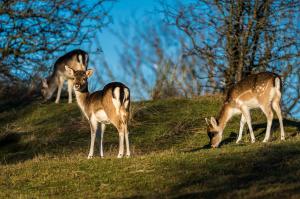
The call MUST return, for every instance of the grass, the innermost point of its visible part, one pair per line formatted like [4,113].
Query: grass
[43,150]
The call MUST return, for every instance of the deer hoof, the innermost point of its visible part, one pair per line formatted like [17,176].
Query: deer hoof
[265,140]
[120,155]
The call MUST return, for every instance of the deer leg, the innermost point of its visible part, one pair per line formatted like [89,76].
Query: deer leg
[246,113]
[277,109]
[127,142]
[121,142]
[242,123]
[269,114]
[93,126]
[101,139]
[70,88]
[60,85]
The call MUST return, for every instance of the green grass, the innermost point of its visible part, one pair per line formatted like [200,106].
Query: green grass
[43,150]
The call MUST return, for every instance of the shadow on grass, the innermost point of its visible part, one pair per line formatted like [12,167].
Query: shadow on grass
[12,148]
[17,148]
[51,135]
[232,138]
[267,172]
[205,147]
[275,124]
[14,104]
[275,127]
[10,139]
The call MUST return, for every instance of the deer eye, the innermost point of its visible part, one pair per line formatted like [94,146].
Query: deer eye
[214,133]
[209,135]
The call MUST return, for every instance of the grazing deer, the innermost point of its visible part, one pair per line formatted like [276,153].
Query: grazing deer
[110,105]
[77,60]
[262,90]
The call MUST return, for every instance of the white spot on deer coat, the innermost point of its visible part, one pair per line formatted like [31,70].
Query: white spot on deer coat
[116,100]
[80,58]
[126,94]
[126,103]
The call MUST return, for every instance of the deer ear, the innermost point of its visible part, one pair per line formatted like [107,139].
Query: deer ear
[44,83]
[69,70]
[213,122]
[207,122]
[89,72]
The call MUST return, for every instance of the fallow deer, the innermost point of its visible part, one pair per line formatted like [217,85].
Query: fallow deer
[77,60]
[262,90]
[110,105]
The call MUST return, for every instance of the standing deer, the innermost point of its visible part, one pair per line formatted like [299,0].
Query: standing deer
[110,105]
[77,60]
[262,90]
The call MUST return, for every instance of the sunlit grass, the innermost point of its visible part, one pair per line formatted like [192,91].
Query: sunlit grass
[43,149]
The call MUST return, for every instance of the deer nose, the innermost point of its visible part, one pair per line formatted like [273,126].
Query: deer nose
[77,86]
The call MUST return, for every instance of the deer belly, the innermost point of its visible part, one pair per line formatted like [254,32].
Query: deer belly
[252,103]
[101,116]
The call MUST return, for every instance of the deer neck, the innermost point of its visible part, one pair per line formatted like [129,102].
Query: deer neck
[82,100]
[224,116]
[52,83]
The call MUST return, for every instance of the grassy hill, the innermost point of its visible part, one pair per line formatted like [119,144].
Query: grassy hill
[43,150]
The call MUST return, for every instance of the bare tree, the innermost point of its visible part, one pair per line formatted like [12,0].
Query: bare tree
[241,36]
[236,38]
[152,57]
[34,31]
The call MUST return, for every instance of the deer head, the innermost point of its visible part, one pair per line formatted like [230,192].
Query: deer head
[45,90]
[214,132]
[80,78]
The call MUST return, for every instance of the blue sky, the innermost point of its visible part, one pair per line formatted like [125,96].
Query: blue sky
[121,10]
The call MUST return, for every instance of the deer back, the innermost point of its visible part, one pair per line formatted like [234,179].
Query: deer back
[252,86]
[114,99]
[76,59]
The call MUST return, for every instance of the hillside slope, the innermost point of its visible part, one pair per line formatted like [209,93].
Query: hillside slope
[43,150]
